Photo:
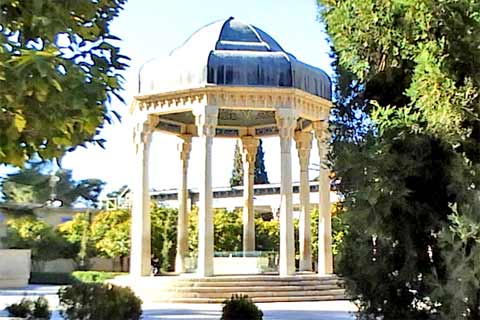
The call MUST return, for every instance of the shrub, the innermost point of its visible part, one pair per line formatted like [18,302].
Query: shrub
[29,309]
[41,309]
[31,233]
[93,276]
[110,231]
[240,307]
[95,301]
[20,310]
[56,278]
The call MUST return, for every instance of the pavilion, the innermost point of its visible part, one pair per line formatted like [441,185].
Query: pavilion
[232,80]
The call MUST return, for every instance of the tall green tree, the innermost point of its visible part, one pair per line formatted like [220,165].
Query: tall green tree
[237,171]
[35,185]
[406,151]
[261,176]
[59,68]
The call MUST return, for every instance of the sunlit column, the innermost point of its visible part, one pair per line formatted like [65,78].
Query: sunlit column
[184,148]
[304,144]
[325,257]
[206,120]
[140,232]
[249,146]
[286,122]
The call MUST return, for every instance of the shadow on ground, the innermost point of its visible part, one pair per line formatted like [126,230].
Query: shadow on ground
[189,314]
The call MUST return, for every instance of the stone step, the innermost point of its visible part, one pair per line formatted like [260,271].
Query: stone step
[248,289]
[261,288]
[255,283]
[225,295]
[254,299]
[252,278]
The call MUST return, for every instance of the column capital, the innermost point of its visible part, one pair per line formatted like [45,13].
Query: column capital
[249,145]
[206,120]
[286,122]
[322,135]
[184,146]
[303,141]
[320,128]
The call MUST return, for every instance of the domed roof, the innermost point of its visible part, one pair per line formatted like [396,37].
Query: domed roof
[230,52]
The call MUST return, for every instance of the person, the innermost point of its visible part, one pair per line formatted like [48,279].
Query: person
[155,262]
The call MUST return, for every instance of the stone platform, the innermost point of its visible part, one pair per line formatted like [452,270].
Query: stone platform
[261,288]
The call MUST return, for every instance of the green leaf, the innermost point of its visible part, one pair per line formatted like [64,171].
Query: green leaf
[56,84]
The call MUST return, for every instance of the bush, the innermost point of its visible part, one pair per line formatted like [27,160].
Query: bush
[56,278]
[93,276]
[95,301]
[59,278]
[240,307]
[20,310]
[31,233]
[29,309]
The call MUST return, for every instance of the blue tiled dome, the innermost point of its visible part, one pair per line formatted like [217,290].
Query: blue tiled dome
[230,52]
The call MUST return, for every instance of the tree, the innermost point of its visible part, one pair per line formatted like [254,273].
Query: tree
[34,185]
[237,171]
[164,236]
[31,233]
[78,233]
[58,71]
[406,151]
[110,231]
[261,176]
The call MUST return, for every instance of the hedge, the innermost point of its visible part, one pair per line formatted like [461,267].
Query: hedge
[62,278]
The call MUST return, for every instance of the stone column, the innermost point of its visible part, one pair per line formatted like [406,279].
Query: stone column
[325,257]
[140,259]
[249,146]
[286,122]
[304,144]
[184,148]
[206,120]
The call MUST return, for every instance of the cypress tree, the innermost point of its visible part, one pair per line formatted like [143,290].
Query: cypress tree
[261,176]
[237,171]
[406,151]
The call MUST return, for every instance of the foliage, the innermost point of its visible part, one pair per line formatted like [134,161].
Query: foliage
[58,70]
[33,184]
[237,171]
[65,278]
[406,150]
[240,307]
[339,230]
[227,228]
[95,301]
[31,233]
[111,233]
[30,309]
[78,233]
[261,176]
[164,236]
[54,278]
[461,254]
[23,309]
[267,235]
[94,276]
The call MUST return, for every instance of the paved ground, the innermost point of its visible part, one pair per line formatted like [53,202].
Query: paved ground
[333,310]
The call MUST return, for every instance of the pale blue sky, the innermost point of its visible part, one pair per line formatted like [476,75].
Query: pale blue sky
[152,28]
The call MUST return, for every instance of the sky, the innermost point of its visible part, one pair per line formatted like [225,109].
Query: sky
[151,29]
